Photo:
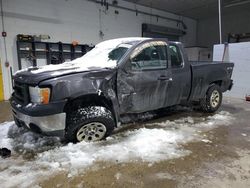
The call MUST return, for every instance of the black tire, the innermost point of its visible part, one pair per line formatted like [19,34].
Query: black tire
[212,101]
[80,121]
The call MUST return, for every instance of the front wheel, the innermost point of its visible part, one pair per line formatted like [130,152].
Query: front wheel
[89,124]
[212,101]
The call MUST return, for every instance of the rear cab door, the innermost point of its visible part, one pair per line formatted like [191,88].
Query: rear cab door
[179,90]
[143,80]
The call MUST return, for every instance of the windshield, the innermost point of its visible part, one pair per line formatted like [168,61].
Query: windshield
[103,55]
[108,56]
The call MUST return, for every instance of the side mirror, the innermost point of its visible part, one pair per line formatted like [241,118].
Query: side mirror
[135,65]
[127,67]
[135,59]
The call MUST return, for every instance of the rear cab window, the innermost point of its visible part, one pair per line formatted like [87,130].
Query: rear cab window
[175,56]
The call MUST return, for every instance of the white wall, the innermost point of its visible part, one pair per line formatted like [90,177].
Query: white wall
[233,22]
[67,20]
[239,54]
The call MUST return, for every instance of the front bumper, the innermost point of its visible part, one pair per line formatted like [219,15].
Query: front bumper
[43,119]
[52,125]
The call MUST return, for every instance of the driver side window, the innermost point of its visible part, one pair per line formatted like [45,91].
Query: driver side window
[149,56]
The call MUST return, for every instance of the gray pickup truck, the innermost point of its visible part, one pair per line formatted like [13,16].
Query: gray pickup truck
[84,100]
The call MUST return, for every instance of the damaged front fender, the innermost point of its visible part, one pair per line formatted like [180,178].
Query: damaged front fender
[99,84]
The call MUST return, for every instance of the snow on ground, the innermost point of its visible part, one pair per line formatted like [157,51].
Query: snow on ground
[35,157]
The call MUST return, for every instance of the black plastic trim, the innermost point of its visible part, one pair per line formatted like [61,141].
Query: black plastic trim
[39,109]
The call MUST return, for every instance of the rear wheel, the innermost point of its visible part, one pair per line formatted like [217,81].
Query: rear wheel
[212,101]
[89,124]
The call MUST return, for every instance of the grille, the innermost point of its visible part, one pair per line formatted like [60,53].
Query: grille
[21,93]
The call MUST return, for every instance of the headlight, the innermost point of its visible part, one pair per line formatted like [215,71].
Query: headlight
[39,95]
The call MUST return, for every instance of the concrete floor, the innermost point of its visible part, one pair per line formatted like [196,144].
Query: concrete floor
[5,112]
[223,162]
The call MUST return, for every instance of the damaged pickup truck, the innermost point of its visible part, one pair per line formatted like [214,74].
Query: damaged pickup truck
[84,99]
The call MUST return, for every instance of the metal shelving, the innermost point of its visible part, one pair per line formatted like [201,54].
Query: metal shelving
[36,53]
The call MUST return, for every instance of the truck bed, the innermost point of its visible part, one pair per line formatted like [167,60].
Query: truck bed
[203,73]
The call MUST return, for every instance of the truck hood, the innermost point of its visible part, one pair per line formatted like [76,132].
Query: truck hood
[34,75]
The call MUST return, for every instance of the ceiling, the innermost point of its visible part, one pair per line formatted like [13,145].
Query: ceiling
[197,9]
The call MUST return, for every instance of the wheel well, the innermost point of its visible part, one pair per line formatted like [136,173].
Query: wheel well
[89,100]
[218,82]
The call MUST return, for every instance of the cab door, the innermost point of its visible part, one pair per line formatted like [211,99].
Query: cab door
[143,82]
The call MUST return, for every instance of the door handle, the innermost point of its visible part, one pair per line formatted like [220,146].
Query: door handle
[165,78]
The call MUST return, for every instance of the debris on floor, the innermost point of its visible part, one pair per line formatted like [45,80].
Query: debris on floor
[247,97]
[5,152]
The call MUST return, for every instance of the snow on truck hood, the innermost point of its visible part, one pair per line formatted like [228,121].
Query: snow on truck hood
[98,57]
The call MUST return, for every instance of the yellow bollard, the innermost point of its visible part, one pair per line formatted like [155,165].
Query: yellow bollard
[1,84]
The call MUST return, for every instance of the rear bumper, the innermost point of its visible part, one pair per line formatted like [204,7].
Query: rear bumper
[231,85]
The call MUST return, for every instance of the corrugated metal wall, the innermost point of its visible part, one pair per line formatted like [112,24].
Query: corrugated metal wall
[238,53]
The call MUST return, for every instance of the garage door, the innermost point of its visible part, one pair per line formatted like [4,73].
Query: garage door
[155,31]
[159,35]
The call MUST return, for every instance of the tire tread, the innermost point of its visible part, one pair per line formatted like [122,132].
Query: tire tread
[205,105]
[81,116]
